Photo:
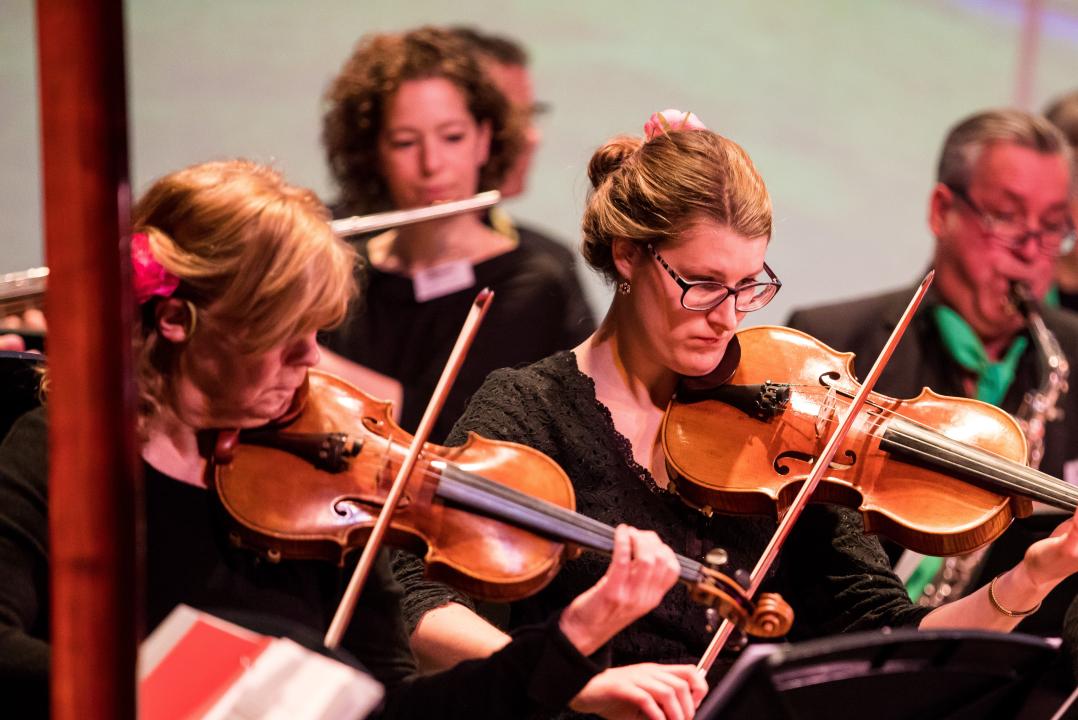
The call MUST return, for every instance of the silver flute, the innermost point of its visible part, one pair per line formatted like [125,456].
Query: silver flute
[359,224]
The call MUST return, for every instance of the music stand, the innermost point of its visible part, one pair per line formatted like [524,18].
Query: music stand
[952,674]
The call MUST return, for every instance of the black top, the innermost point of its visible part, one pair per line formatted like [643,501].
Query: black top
[538,309]
[189,560]
[862,326]
[836,578]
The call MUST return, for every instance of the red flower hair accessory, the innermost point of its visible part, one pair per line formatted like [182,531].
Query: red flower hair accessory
[151,279]
[669,120]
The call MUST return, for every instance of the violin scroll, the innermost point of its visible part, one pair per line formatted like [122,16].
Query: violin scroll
[769,616]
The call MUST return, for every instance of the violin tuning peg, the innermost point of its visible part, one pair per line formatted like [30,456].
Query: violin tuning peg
[716,558]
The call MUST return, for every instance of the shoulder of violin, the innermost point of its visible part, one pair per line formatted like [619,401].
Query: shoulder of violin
[787,353]
[326,385]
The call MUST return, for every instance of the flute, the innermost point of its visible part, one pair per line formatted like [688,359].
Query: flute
[358,224]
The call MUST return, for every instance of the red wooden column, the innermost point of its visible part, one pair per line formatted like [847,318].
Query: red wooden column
[93,462]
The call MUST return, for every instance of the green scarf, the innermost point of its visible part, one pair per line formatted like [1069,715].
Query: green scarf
[993,378]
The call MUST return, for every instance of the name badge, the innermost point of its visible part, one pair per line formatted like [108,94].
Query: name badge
[441,280]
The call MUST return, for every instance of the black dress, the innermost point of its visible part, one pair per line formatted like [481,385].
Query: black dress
[189,560]
[538,309]
[835,576]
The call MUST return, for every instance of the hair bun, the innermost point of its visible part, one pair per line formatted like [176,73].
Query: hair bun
[611,156]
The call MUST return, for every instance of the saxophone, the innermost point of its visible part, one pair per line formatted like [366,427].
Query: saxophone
[1039,407]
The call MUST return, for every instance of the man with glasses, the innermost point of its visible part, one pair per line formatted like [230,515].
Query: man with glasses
[999,213]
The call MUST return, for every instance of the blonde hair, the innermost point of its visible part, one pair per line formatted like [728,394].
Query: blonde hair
[648,192]
[258,251]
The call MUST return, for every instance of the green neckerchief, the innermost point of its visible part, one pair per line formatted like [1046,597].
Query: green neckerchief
[1051,298]
[993,378]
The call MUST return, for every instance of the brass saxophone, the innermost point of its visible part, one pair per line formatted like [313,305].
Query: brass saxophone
[1039,406]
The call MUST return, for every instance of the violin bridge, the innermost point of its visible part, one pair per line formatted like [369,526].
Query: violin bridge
[828,408]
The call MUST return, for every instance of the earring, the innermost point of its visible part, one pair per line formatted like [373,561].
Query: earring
[192,316]
[624,287]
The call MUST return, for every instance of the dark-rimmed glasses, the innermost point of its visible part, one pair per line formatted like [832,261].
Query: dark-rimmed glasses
[702,295]
[1010,231]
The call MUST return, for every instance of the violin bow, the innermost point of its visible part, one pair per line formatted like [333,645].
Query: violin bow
[823,462]
[347,606]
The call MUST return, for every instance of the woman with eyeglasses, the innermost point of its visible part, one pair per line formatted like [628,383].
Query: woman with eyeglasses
[679,221]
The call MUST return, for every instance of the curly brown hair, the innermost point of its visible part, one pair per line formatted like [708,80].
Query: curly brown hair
[358,96]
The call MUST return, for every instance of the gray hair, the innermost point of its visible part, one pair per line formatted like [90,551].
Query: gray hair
[967,140]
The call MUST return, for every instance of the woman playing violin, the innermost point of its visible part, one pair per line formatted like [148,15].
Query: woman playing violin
[412,120]
[235,272]
[679,221]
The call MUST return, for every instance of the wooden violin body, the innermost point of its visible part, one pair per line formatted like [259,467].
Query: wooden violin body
[934,473]
[286,508]
[492,518]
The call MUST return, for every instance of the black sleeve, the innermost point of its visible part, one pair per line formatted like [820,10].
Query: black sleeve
[509,406]
[377,636]
[838,578]
[421,595]
[24,592]
[539,670]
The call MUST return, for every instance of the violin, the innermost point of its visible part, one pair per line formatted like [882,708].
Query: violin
[492,518]
[939,475]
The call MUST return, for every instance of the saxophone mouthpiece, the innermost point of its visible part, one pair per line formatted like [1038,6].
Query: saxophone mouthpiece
[1021,298]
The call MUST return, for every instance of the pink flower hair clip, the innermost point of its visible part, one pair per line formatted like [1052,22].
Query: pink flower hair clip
[669,120]
[151,279]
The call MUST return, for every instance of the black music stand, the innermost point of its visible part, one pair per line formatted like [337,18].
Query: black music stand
[952,674]
[19,380]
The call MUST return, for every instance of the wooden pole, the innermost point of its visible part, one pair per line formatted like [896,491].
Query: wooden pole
[94,472]
[1028,43]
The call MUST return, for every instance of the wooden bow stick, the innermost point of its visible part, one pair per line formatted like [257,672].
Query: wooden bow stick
[366,561]
[823,462]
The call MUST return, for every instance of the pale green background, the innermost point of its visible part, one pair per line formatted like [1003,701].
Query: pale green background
[841,104]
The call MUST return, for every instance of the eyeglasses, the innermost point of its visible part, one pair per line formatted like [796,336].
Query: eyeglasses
[1010,231]
[702,295]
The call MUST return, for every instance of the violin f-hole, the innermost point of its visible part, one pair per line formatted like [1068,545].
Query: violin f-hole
[782,468]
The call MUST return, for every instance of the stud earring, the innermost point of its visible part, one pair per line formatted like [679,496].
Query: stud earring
[624,287]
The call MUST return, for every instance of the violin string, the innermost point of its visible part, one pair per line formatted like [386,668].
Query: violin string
[550,510]
[1020,477]
[601,535]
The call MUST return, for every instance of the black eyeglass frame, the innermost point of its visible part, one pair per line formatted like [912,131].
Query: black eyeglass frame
[687,285]
[990,224]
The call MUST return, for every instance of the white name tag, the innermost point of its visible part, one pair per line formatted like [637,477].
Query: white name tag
[442,280]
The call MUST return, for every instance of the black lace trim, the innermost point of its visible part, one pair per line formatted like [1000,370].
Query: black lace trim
[624,446]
